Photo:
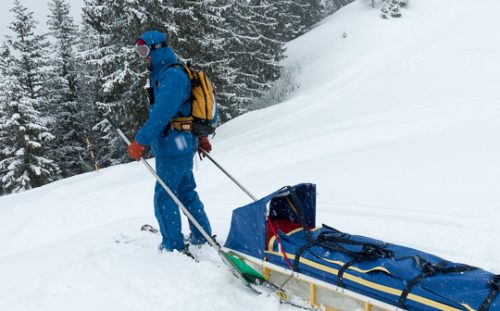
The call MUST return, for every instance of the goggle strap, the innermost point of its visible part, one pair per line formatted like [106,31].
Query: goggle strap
[159,45]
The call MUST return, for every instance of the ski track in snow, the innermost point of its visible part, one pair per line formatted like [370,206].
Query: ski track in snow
[397,124]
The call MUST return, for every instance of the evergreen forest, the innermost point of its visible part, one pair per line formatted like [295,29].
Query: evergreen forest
[56,88]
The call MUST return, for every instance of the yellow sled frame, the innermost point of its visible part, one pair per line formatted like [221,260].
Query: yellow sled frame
[326,296]
[319,294]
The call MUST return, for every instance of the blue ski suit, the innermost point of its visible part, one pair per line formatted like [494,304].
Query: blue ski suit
[174,150]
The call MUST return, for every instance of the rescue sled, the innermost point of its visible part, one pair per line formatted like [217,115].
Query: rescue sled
[334,270]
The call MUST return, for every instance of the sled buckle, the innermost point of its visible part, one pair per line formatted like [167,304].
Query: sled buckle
[282,295]
[429,269]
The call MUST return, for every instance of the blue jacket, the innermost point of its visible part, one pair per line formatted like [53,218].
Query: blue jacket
[172,90]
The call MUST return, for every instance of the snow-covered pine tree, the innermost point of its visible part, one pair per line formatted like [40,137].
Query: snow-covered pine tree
[404,3]
[312,12]
[4,150]
[69,128]
[112,28]
[201,36]
[289,23]
[392,8]
[30,53]
[241,45]
[150,14]
[100,135]
[306,13]
[217,59]
[331,6]
[295,17]
[271,49]
[23,134]
[27,156]
[190,28]
[252,54]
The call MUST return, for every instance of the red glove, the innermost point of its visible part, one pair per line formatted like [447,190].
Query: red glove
[135,150]
[204,144]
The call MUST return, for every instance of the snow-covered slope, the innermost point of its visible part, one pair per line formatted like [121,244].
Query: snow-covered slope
[397,124]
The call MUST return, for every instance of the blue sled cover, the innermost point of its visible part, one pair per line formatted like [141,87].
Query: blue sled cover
[404,277]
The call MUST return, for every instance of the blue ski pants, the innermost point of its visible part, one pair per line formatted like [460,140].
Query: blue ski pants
[177,173]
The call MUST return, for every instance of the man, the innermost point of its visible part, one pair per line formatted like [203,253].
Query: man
[174,149]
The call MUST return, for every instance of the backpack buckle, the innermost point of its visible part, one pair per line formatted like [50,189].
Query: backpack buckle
[183,124]
[186,126]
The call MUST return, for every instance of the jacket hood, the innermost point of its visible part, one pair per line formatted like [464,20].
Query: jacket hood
[160,57]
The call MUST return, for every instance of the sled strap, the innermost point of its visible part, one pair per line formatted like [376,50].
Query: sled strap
[333,229]
[344,238]
[340,274]
[295,204]
[430,269]
[278,240]
[370,252]
[495,289]
[299,253]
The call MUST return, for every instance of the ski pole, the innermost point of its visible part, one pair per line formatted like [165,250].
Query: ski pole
[229,175]
[169,192]
[282,248]
[240,269]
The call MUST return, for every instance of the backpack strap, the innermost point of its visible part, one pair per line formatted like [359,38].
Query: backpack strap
[174,65]
[191,74]
[180,123]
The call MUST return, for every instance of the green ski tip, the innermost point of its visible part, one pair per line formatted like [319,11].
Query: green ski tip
[249,273]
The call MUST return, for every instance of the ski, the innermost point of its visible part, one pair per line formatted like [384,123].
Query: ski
[272,290]
[254,283]
[189,254]
[236,265]
[149,228]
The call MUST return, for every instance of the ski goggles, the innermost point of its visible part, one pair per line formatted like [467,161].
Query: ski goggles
[143,50]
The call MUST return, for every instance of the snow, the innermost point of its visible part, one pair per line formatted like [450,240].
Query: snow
[397,124]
